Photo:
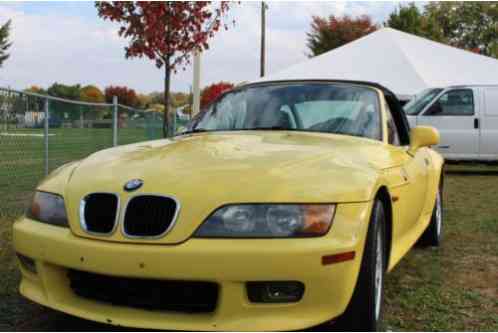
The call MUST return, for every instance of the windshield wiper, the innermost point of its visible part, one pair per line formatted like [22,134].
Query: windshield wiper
[268,128]
[195,130]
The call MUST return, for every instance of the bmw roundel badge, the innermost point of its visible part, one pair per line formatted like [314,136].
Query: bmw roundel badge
[133,185]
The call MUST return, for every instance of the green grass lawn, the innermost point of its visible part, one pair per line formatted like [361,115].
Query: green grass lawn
[455,287]
[450,288]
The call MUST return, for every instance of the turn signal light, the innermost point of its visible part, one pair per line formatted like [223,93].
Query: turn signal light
[336,258]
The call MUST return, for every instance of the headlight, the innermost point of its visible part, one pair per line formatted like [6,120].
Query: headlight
[268,221]
[48,208]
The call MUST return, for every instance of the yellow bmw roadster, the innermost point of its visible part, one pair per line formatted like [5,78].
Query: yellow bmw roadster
[281,206]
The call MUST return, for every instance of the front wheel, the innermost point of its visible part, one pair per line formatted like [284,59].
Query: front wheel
[364,312]
[433,234]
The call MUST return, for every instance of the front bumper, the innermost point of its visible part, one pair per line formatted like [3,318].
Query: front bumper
[230,263]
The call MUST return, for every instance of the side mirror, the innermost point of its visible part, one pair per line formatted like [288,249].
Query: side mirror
[422,136]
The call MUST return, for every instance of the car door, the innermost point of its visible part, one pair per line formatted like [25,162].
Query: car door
[411,179]
[488,144]
[454,114]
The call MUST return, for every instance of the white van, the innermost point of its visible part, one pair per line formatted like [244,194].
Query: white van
[466,117]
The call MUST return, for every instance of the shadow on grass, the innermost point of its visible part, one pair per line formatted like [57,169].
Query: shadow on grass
[50,320]
[472,172]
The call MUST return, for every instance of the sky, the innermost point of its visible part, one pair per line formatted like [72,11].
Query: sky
[66,42]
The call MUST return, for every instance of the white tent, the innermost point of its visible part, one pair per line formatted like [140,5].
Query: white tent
[403,63]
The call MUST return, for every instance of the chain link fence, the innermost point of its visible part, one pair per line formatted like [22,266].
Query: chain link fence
[39,133]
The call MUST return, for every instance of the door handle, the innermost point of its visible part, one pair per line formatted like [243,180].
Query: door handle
[476,123]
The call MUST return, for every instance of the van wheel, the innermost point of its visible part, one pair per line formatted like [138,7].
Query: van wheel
[433,234]
[364,312]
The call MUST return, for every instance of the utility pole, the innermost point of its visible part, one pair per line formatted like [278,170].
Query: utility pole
[263,32]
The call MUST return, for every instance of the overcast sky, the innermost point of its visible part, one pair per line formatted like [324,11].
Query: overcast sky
[66,42]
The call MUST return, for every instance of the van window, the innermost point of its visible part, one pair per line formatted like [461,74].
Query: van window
[459,102]
[419,102]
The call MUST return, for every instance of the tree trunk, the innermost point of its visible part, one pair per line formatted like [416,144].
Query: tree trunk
[167,79]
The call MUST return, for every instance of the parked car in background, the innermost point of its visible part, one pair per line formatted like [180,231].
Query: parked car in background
[54,121]
[466,117]
[281,207]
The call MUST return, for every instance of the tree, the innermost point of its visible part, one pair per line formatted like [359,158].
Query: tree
[65,91]
[332,32]
[126,96]
[91,94]
[469,25]
[165,32]
[410,19]
[35,89]
[61,109]
[179,99]
[35,103]
[144,101]
[4,42]
[213,91]
[472,26]
[157,97]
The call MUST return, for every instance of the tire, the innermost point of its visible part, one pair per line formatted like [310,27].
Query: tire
[364,311]
[432,236]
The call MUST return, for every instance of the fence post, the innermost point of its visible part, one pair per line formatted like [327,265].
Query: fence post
[115,121]
[45,135]
[174,121]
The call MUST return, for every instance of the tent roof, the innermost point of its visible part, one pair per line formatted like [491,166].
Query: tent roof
[403,63]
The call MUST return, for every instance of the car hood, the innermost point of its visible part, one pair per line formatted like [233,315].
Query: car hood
[206,170]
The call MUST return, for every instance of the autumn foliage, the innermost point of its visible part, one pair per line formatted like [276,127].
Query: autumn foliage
[213,91]
[332,32]
[158,30]
[165,32]
[91,94]
[126,96]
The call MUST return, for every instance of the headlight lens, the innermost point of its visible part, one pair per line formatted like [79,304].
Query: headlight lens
[48,208]
[268,221]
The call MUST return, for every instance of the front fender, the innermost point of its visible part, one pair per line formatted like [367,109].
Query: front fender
[435,178]
[57,180]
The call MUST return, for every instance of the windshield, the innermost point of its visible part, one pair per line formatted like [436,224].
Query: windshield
[316,107]
[419,102]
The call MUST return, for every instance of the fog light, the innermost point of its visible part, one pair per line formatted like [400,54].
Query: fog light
[28,263]
[275,291]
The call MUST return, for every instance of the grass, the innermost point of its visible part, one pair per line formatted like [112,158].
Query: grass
[451,288]
[22,157]
[454,287]
[21,168]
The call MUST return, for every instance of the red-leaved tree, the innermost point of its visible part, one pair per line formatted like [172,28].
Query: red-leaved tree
[165,32]
[211,92]
[126,96]
[332,32]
